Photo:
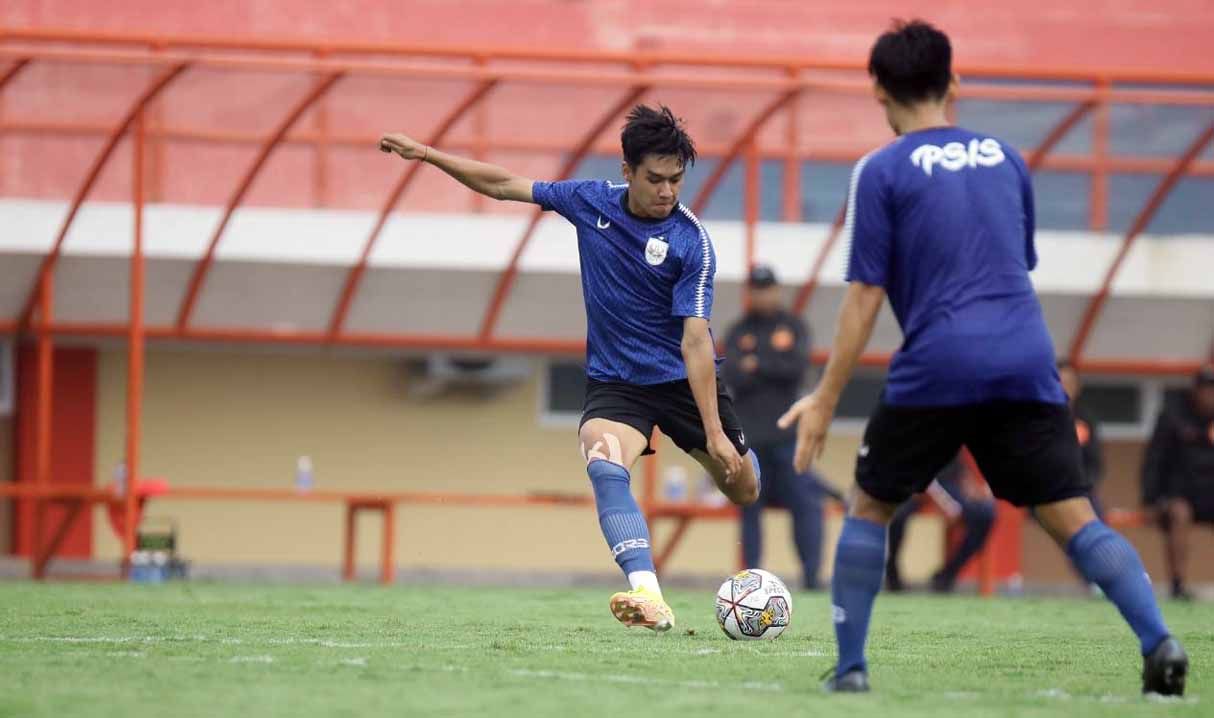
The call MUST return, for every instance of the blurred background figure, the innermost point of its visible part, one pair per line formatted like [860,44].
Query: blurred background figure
[1088,431]
[1178,473]
[959,500]
[766,358]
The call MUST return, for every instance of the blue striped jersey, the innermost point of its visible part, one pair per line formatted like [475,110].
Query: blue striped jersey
[640,279]
[942,218]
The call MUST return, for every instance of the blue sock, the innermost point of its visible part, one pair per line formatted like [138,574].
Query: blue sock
[1109,561]
[859,568]
[754,461]
[619,516]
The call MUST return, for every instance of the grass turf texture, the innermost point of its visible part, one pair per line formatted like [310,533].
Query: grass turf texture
[230,650]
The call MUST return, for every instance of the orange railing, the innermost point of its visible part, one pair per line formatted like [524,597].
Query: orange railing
[778,87]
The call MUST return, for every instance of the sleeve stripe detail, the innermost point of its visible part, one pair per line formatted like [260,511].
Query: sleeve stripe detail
[849,219]
[706,251]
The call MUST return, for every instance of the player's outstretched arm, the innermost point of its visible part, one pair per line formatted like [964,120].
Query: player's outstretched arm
[489,180]
[814,413]
[700,356]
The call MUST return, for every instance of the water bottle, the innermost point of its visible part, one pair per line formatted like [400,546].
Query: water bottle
[674,484]
[120,478]
[303,474]
[710,495]
[140,567]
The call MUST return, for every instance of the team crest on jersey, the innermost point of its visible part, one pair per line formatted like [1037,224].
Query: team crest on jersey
[655,250]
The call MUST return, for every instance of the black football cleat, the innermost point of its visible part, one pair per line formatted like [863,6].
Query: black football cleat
[851,682]
[1164,669]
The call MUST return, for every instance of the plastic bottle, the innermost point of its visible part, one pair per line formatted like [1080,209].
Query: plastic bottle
[120,478]
[303,474]
[674,484]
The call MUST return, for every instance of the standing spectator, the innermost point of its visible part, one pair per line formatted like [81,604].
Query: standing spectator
[1178,473]
[766,358]
[1087,430]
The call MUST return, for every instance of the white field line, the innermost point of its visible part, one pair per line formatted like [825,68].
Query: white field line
[543,674]
[251,659]
[654,647]
[639,680]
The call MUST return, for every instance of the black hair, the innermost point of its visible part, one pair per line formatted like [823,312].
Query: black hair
[913,62]
[655,132]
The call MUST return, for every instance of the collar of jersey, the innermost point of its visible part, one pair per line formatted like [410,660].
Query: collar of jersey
[645,221]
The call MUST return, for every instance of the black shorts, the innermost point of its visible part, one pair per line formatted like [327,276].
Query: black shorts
[669,406]
[1028,452]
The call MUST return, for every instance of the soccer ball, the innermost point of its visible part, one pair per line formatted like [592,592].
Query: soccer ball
[753,604]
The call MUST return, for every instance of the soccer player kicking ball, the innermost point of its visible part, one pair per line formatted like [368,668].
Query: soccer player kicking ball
[941,221]
[647,271]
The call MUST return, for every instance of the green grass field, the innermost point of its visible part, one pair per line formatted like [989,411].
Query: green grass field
[228,650]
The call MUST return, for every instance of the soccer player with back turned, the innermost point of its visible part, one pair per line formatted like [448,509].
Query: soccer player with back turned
[941,221]
[647,269]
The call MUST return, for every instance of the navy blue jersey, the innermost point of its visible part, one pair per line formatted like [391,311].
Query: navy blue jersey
[640,279]
[943,219]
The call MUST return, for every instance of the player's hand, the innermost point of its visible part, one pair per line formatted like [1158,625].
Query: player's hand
[402,145]
[722,449]
[812,415]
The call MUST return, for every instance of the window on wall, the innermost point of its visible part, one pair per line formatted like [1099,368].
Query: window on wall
[563,392]
[1125,407]
[861,396]
[1113,402]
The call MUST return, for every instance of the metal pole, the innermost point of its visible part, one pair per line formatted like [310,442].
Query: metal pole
[752,215]
[43,441]
[134,381]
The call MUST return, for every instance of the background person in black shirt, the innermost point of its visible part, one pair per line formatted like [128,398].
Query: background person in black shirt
[1178,473]
[766,359]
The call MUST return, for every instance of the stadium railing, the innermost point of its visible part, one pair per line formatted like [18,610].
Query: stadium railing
[165,60]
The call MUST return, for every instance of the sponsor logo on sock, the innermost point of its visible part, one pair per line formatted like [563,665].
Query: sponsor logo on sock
[839,614]
[628,545]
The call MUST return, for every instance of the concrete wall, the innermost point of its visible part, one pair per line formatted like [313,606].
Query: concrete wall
[226,419]
[219,418]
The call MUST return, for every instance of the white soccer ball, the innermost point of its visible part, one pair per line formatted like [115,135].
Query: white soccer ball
[753,605]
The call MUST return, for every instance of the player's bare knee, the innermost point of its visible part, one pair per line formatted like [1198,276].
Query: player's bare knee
[747,491]
[742,494]
[1180,512]
[601,446]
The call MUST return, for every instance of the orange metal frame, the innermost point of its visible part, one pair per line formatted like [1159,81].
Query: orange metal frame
[330,62]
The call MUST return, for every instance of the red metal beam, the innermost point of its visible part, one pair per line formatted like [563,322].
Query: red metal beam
[48,262]
[13,70]
[501,345]
[346,298]
[1052,138]
[1059,131]
[271,142]
[506,281]
[294,45]
[598,78]
[44,398]
[815,272]
[1119,164]
[135,343]
[744,139]
[1140,224]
